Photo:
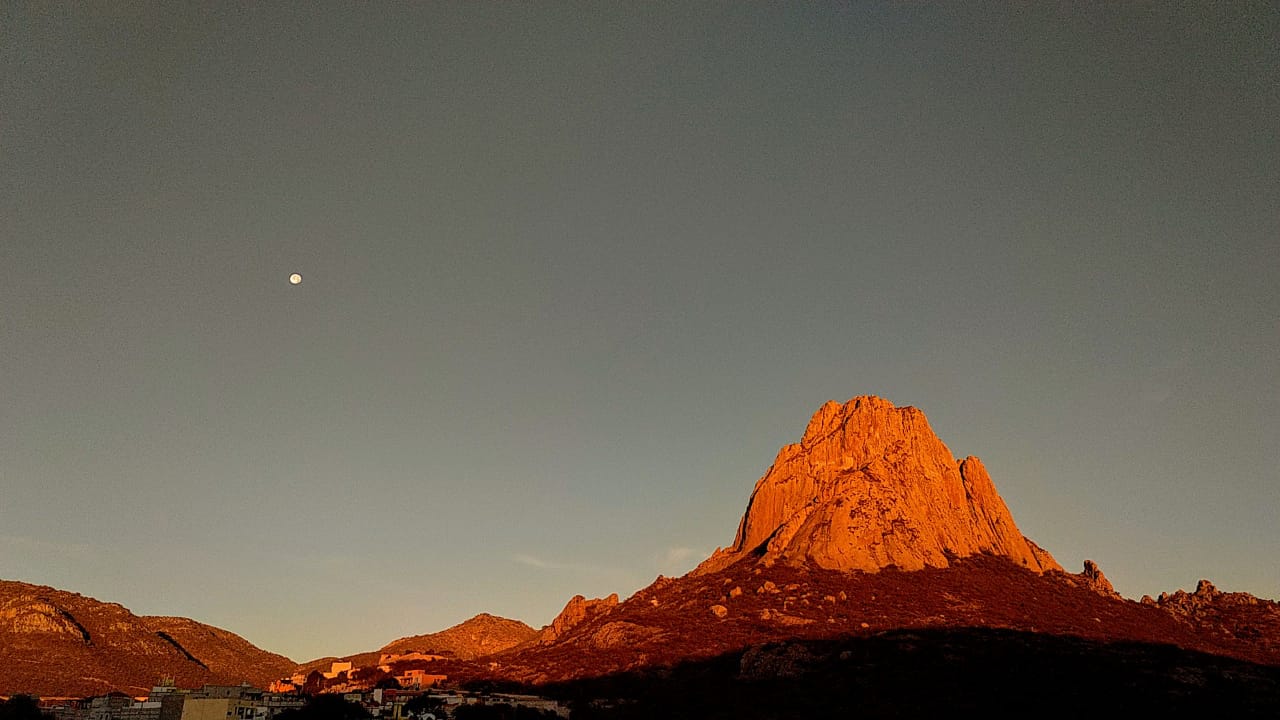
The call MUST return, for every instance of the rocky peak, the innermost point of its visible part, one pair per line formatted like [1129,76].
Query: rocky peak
[578,610]
[868,486]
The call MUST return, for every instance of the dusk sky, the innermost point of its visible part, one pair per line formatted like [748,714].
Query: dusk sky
[573,273]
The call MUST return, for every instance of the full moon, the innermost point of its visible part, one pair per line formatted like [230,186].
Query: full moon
[294,279]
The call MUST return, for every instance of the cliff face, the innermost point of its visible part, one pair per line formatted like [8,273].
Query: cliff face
[869,485]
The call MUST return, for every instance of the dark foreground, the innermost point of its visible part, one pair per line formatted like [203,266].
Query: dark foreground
[911,673]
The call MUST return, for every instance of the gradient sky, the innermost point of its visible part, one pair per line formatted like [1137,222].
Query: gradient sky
[575,272]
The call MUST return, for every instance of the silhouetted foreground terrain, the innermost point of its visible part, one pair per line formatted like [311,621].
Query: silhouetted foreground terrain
[965,672]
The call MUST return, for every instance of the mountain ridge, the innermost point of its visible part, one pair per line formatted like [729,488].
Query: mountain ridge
[62,643]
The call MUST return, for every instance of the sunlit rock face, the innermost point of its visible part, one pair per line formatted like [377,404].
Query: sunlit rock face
[868,486]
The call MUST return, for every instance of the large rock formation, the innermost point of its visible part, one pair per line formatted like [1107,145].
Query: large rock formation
[869,486]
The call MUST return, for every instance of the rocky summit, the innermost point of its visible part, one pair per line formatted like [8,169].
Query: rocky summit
[871,486]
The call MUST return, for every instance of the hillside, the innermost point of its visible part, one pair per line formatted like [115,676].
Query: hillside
[59,644]
[481,635]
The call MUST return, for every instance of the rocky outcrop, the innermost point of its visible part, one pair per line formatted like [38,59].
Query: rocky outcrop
[870,486]
[1237,616]
[1096,581]
[1208,599]
[577,611]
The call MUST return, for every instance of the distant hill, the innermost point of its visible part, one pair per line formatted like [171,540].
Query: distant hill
[482,635]
[476,637]
[61,644]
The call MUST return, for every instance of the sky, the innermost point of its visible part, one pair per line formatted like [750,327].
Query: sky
[573,273]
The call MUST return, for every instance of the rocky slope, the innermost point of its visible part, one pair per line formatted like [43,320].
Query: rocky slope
[869,486]
[57,643]
[702,616]
[1238,615]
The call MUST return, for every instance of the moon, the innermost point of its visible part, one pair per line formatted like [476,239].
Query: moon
[294,279]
